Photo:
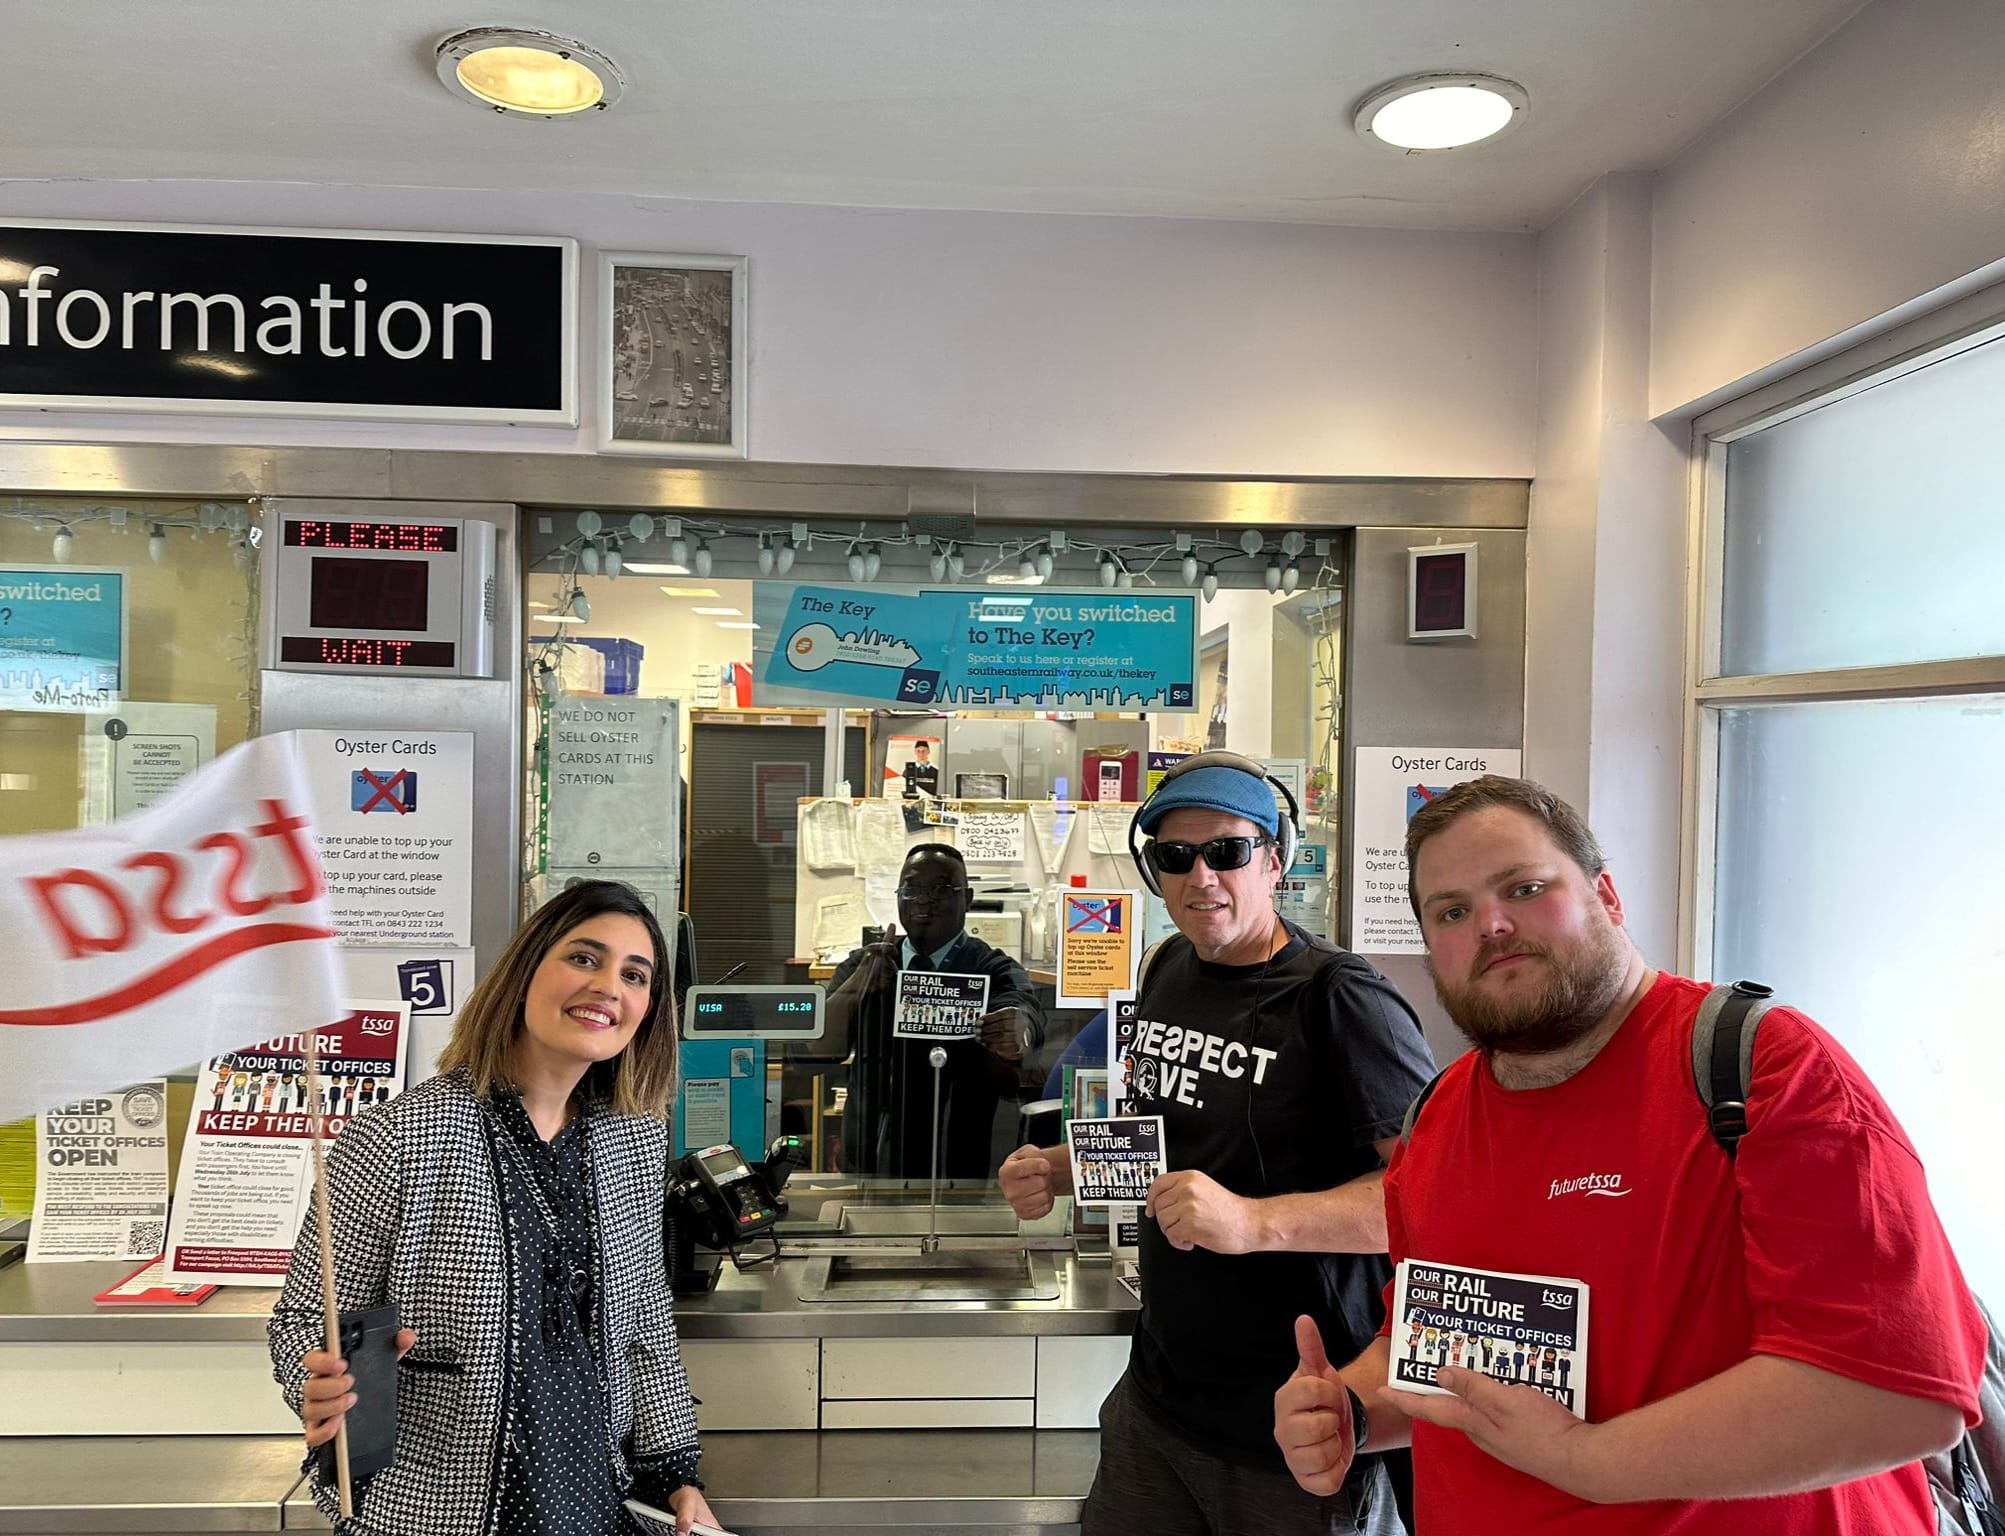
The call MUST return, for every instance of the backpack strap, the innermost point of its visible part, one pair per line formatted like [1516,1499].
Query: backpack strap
[1723,1056]
[1413,1109]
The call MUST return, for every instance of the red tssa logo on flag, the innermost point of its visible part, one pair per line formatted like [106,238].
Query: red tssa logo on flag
[148,902]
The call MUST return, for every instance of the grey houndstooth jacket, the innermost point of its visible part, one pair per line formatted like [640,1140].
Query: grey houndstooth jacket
[418,1220]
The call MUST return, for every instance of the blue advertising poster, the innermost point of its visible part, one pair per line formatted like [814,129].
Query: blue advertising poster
[62,638]
[961,647]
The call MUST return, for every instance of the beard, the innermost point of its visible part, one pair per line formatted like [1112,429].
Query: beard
[1580,984]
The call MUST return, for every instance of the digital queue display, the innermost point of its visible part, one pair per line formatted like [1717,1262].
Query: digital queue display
[401,538]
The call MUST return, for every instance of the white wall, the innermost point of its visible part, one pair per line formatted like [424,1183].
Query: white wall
[1604,551]
[993,341]
[1870,174]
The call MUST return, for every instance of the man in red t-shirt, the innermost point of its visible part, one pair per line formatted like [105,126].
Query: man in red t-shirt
[1773,1338]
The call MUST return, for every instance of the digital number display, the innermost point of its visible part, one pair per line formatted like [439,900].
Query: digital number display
[368,594]
[1440,592]
[396,538]
[387,654]
[754,1012]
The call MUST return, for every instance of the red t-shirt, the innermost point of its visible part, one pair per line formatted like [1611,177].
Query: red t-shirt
[1817,1243]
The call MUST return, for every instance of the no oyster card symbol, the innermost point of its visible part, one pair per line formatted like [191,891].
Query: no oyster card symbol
[378,790]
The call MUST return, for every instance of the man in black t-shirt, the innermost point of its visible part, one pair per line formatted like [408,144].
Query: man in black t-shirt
[1282,1067]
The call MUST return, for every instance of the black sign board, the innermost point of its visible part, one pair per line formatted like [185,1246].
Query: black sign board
[258,322]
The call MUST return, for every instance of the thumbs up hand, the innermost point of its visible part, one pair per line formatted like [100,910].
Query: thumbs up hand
[1312,1416]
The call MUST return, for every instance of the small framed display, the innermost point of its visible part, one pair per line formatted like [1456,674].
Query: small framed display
[1441,592]
[981,786]
[672,355]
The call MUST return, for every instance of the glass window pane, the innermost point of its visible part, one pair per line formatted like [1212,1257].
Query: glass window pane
[1857,874]
[1867,532]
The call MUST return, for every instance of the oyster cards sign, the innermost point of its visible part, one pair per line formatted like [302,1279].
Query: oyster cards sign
[260,322]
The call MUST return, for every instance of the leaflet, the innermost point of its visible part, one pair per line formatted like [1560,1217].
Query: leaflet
[1115,1160]
[102,1193]
[939,1005]
[1526,1330]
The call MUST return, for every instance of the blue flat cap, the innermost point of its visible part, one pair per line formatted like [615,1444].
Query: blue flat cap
[1216,789]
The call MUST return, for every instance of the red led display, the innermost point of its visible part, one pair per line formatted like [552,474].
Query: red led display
[400,538]
[386,654]
[1440,592]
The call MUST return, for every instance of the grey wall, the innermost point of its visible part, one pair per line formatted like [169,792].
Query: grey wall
[1443,693]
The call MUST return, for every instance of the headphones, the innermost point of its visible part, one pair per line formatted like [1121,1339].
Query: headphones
[1288,836]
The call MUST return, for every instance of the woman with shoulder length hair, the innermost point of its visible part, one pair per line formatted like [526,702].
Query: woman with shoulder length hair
[512,1208]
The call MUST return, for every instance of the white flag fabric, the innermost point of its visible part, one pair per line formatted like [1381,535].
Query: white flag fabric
[196,926]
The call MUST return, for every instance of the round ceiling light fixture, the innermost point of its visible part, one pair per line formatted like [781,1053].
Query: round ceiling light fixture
[528,74]
[1420,113]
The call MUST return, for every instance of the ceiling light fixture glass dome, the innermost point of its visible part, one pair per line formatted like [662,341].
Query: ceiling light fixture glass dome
[521,73]
[1423,113]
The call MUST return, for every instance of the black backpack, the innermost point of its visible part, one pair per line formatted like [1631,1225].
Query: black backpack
[1962,1478]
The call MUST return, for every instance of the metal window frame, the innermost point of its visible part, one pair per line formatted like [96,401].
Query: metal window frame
[1975,320]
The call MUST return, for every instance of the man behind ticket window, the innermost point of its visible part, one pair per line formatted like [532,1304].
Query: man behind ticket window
[1774,1338]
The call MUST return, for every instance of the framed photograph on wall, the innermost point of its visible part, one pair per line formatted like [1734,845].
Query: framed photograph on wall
[671,369]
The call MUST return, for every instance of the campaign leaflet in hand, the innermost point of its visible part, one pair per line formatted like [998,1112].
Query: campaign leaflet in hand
[938,1005]
[1115,1160]
[1524,1330]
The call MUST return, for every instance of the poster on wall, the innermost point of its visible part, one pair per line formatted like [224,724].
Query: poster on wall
[135,754]
[912,766]
[1098,945]
[1391,784]
[62,638]
[432,983]
[1303,894]
[101,1191]
[615,783]
[393,820]
[1045,649]
[246,1165]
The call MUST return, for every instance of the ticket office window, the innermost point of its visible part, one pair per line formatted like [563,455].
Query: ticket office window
[1849,727]
[128,658]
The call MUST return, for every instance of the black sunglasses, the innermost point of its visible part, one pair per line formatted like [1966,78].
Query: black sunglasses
[1220,853]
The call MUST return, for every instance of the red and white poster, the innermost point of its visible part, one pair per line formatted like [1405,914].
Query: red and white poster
[185,930]
[246,1166]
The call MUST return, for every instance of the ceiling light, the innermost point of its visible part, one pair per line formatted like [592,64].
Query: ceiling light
[736,624]
[685,591]
[528,74]
[555,618]
[1440,111]
[655,568]
[720,613]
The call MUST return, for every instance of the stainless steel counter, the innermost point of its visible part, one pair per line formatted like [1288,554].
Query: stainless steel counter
[768,1483]
[45,1303]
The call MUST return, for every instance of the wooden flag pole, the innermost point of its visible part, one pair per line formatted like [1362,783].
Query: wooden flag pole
[316,1110]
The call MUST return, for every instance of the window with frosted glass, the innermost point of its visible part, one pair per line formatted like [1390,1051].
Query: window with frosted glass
[1871,531]
[1858,863]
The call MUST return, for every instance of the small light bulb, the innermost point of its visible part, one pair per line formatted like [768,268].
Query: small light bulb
[1027,568]
[873,562]
[551,679]
[581,605]
[1044,564]
[1190,570]
[767,559]
[66,545]
[701,565]
[785,559]
[1291,577]
[1273,576]
[588,557]
[956,561]
[855,563]
[1127,578]
[678,551]
[1210,583]
[938,566]
[156,545]
[1107,576]
[614,559]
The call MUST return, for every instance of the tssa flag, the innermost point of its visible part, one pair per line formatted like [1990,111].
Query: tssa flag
[196,926]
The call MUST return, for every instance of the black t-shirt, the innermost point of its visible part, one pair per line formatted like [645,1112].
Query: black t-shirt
[1273,1079]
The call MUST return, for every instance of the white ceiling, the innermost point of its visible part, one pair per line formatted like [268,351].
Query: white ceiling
[1208,108]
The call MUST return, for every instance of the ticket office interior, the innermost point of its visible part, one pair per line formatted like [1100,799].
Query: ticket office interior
[641,605]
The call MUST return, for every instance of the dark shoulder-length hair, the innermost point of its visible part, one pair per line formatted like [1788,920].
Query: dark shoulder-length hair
[641,1079]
